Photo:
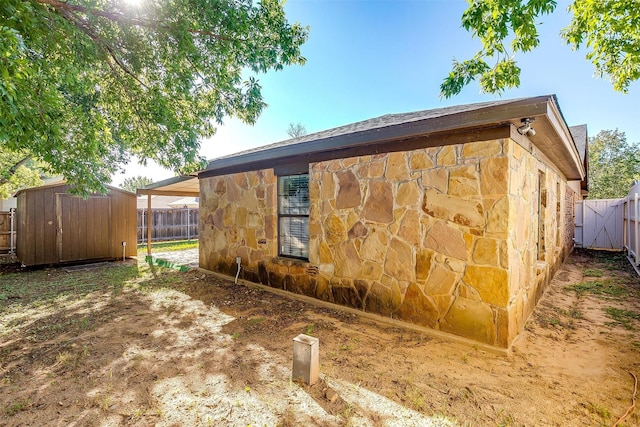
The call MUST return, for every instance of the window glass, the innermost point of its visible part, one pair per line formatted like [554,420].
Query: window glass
[293,216]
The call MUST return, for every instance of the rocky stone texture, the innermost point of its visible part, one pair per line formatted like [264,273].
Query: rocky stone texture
[444,237]
[238,218]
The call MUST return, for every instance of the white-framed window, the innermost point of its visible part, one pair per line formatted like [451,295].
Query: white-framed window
[293,216]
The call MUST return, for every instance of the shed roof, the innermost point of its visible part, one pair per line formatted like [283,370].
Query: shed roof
[64,183]
[553,137]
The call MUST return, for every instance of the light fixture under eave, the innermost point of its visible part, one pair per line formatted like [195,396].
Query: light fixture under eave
[526,128]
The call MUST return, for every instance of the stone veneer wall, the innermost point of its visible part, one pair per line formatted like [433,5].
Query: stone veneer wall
[444,237]
[531,196]
[237,219]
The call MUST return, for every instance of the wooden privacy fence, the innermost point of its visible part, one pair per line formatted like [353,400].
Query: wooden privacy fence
[632,224]
[168,224]
[612,224]
[599,224]
[8,232]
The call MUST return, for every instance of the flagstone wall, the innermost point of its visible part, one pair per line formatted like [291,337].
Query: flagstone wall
[445,237]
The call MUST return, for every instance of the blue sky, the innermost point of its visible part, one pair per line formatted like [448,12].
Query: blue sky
[366,58]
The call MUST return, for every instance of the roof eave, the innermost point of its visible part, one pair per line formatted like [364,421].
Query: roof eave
[184,185]
[557,144]
[571,164]
[487,116]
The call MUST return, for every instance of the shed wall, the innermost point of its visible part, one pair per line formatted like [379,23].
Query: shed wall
[434,236]
[39,219]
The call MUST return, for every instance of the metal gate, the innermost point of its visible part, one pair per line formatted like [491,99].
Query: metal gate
[599,224]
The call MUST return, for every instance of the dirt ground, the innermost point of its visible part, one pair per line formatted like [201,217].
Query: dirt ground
[128,344]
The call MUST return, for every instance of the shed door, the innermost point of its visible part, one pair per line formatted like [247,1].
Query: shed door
[84,227]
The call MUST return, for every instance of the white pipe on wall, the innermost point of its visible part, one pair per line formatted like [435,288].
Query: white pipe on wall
[238,261]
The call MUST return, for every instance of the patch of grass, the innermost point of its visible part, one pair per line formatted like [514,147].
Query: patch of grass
[309,330]
[179,245]
[599,410]
[85,323]
[622,317]
[606,288]
[549,319]
[104,403]
[256,320]
[573,313]
[506,419]
[14,408]
[37,287]
[611,260]
[64,358]
[592,272]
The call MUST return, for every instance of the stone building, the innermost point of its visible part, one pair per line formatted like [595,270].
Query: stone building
[454,218]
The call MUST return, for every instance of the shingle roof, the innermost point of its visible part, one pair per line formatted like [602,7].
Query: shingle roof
[579,134]
[419,129]
[372,124]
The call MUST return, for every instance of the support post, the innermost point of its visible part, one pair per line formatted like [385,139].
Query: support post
[306,359]
[149,224]
[188,225]
[635,227]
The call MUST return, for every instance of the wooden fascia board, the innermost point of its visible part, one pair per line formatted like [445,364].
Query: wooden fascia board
[143,192]
[559,124]
[423,141]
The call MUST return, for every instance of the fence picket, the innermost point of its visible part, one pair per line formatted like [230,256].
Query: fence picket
[168,224]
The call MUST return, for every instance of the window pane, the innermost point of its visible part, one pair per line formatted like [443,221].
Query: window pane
[293,195]
[294,236]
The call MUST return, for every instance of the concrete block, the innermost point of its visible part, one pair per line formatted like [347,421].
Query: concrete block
[306,359]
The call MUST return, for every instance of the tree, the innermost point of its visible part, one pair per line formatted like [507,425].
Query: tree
[18,171]
[613,165]
[87,84]
[296,130]
[132,184]
[610,30]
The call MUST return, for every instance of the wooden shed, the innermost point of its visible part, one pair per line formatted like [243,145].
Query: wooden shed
[55,227]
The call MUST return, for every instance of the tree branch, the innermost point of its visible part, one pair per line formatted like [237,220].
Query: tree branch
[12,170]
[124,19]
[81,25]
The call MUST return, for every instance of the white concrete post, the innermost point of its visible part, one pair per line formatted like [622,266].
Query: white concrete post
[306,359]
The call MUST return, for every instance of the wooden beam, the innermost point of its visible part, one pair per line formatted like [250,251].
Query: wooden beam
[169,193]
[424,141]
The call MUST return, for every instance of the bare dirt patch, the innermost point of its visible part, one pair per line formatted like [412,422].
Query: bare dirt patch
[124,344]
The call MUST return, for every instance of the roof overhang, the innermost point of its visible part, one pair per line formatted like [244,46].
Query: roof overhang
[185,185]
[63,182]
[552,137]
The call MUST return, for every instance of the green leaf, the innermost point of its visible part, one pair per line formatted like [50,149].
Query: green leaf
[100,82]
